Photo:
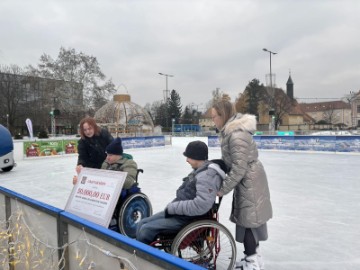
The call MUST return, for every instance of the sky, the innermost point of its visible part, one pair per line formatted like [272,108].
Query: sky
[204,44]
[314,196]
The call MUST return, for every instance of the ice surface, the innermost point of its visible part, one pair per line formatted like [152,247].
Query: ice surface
[316,199]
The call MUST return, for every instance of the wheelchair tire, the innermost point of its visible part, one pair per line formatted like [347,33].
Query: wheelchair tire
[135,207]
[206,243]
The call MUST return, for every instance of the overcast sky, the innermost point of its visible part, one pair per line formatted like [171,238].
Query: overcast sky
[204,44]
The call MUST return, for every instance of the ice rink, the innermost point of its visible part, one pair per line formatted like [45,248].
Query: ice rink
[315,197]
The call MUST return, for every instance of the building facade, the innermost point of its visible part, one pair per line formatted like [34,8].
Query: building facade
[36,98]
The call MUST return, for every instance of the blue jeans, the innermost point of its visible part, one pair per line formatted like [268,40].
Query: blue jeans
[148,228]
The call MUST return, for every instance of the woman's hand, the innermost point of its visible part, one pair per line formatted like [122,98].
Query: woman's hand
[75,179]
[78,168]
[220,194]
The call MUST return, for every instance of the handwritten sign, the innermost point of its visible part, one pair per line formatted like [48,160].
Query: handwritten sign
[95,195]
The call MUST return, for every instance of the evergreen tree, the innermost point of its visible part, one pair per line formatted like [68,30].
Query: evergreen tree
[249,101]
[174,109]
[187,116]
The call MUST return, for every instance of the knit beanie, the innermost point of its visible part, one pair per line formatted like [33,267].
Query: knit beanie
[197,150]
[115,147]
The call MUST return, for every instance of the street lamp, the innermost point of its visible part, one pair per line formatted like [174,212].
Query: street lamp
[272,93]
[172,126]
[166,91]
[7,120]
[166,95]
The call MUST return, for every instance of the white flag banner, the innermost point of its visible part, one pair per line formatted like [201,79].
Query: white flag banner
[30,128]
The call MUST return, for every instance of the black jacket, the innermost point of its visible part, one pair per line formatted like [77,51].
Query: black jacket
[92,150]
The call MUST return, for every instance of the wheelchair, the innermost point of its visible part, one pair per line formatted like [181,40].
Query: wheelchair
[133,205]
[204,242]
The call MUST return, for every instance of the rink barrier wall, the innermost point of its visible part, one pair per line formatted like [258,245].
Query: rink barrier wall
[336,144]
[58,228]
[24,149]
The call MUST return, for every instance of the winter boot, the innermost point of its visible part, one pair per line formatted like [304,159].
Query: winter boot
[248,263]
[260,259]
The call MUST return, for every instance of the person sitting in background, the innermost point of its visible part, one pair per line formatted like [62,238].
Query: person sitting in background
[116,160]
[194,198]
[92,145]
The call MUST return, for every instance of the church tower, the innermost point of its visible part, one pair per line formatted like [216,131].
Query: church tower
[290,87]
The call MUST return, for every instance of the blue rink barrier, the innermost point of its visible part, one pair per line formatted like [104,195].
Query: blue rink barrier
[143,142]
[35,235]
[337,144]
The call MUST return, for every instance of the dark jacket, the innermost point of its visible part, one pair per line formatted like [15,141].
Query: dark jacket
[247,177]
[92,150]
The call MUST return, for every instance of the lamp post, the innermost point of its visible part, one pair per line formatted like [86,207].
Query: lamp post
[166,91]
[272,111]
[166,95]
[172,125]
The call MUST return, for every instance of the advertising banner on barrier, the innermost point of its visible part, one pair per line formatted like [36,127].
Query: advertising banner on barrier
[70,146]
[154,141]
[95,195]
[43,148]
[213,141]
[47,147]
[348,144]
[315,143]
[131,142]
[277,142]
[303,143]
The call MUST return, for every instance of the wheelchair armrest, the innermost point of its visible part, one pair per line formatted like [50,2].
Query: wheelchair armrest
[137,174]
[216,205]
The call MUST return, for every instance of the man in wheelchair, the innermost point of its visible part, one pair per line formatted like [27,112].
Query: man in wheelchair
[194,198]
[117,160]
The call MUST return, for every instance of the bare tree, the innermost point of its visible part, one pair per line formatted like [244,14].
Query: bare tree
[217,95]
[74,67]
[282,105]
[10,94]
[329,116]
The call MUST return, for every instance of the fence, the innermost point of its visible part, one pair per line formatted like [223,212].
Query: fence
[34,235]
[338,144]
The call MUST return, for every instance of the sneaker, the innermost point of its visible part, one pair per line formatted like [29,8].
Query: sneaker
[248,263]
[260,259]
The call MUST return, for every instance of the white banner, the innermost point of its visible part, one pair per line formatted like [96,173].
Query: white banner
[95,195]
[30,128]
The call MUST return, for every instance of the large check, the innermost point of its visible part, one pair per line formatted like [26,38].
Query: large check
[95,195]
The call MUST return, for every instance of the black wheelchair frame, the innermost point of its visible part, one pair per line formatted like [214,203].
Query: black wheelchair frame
[204,242]
[132,206]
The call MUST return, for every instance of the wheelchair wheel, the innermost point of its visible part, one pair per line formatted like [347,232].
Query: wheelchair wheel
[135,208]
[206,243]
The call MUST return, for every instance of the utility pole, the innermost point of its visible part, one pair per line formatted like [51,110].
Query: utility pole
[272,109]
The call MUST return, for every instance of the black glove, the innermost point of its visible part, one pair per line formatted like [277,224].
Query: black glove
[167,215]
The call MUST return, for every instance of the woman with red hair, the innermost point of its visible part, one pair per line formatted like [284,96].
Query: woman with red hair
[92,145]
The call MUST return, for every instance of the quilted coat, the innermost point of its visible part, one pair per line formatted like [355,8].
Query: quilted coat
[251,197]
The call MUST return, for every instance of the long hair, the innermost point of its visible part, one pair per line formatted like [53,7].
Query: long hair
[225,109]
[91,122]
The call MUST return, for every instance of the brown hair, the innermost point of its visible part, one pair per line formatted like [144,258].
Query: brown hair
[91,122]
[225,109]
